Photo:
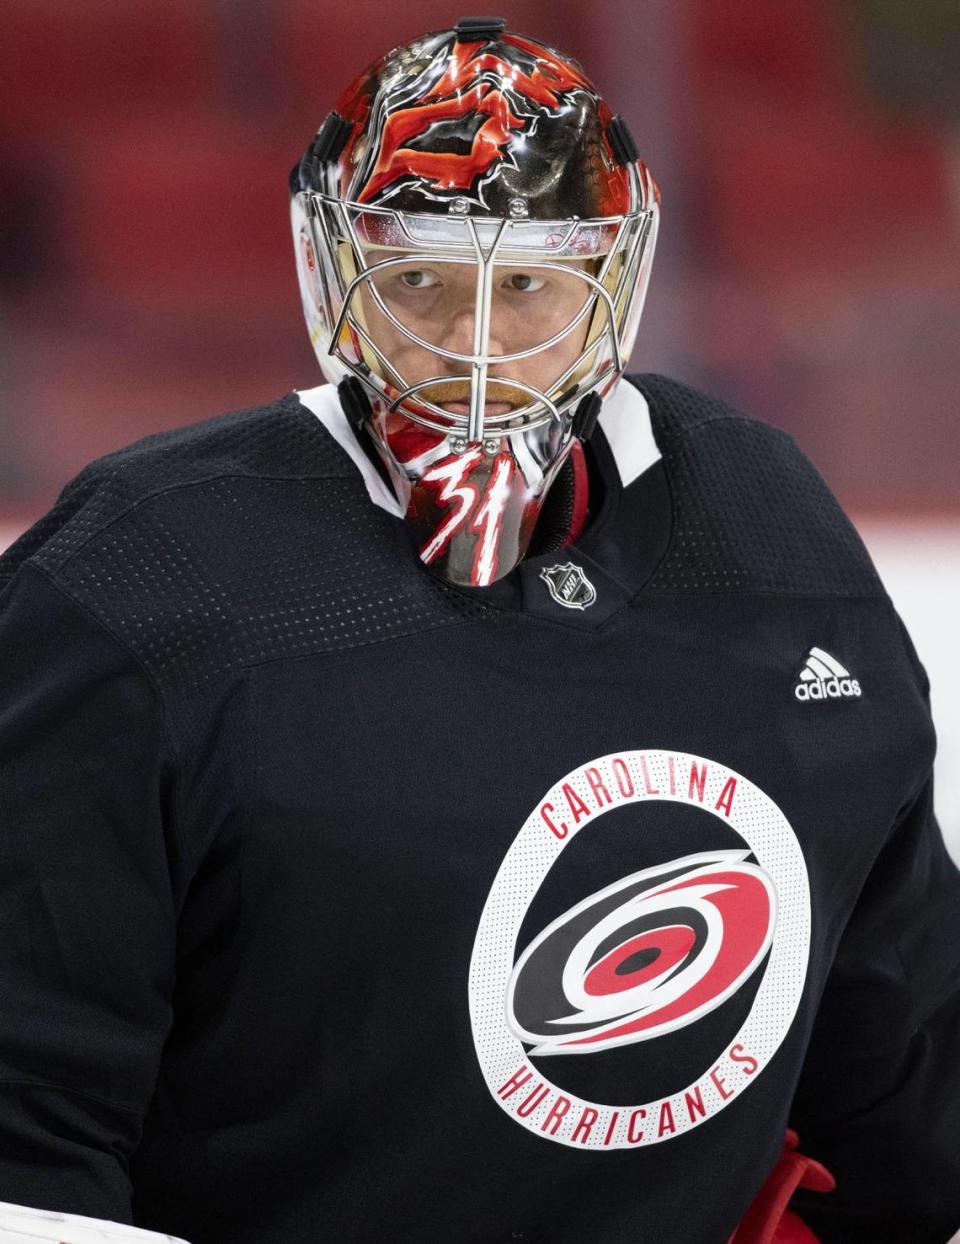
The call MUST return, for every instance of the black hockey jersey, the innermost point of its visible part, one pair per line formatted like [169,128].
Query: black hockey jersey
[341,904]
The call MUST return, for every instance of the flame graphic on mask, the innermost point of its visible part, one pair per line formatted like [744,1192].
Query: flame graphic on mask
[461,91]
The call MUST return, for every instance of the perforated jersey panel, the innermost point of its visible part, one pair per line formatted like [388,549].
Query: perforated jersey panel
[277,439]
[751,511]
[232,541]
[238,570]
[250,536]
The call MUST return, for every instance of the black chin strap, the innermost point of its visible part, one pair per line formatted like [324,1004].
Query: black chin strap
[356,406]
[355,403]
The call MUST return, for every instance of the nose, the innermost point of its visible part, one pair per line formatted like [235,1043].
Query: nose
[459,336]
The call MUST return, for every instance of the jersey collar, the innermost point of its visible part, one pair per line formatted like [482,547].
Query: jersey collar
[587,581]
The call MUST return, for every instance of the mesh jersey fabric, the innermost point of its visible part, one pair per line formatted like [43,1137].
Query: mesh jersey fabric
[246,742]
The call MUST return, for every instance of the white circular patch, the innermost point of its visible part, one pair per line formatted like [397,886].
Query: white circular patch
[569,808]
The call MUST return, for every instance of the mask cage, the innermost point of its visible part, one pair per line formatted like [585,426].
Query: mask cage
[343,234]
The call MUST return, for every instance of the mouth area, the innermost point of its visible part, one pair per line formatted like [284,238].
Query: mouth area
[489,408]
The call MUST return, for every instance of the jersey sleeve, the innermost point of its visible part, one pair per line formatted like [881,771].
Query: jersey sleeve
[878,1101]
[89,861]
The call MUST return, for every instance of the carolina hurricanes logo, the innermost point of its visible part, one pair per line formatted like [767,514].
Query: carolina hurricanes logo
[644,956]
[468,92]
[633,963]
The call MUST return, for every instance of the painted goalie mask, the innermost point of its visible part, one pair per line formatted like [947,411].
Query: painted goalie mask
[474,234]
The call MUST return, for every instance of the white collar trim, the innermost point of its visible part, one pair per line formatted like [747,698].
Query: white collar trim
[625,419]
[324,401]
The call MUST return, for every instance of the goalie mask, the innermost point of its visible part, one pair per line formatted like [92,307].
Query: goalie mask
[474,234]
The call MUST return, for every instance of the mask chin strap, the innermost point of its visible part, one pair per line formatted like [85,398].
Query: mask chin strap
[566,507]
[355,402]
[586,416]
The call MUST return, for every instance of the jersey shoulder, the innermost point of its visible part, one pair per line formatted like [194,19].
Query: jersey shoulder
[751,512]
[232,541]
[278,439]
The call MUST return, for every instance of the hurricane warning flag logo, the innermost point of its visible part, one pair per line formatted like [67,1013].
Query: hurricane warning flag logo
[644,956]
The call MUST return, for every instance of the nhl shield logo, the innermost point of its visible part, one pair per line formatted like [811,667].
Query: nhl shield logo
[569,586]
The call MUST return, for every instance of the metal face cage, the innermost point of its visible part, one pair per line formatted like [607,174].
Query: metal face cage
[340,259]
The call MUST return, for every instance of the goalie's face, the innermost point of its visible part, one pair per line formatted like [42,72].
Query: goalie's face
[436,302]
[476,357]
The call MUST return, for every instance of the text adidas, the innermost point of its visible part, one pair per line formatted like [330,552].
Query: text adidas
[827,689]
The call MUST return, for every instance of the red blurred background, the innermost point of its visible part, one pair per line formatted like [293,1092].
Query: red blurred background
[808,155]
[808,152]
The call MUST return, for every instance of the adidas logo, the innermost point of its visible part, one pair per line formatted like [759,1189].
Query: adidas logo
[824,678]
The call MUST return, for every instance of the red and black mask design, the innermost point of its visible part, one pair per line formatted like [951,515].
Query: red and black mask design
[458,178]
[454,128]
[473,514]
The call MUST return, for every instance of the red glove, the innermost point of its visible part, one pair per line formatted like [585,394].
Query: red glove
[768,1221]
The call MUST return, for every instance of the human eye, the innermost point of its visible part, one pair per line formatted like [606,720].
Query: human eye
[418,278]
[524,283]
